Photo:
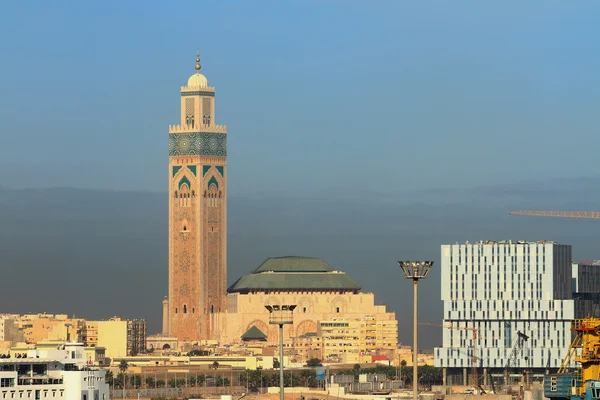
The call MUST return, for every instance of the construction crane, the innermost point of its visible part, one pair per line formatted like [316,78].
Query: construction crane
[558,214]
[474,358]
[512,359]
[584,382]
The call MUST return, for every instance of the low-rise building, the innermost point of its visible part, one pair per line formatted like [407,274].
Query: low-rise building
[57,374]
[345,340]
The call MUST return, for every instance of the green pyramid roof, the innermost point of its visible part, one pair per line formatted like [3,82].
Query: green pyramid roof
[294,273]
[254,334]
[293,264]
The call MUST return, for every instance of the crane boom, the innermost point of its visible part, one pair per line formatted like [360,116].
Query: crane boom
[559,214]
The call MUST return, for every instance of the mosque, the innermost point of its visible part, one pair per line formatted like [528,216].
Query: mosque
[199,305]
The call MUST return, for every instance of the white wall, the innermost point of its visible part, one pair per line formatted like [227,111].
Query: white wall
[501,288]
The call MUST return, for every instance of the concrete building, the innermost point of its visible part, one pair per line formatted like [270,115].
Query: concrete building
[44,327]
[345,341]
[586,288]
[136,337]
[110,335]
[197,215]
[501,288]
[57,374]
[10,333]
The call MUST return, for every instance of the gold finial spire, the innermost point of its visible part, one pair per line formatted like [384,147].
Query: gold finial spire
[197,61]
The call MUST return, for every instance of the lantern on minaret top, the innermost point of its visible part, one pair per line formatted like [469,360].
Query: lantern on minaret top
[197,80]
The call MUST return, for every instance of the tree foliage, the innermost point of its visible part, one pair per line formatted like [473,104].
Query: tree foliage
[313,362]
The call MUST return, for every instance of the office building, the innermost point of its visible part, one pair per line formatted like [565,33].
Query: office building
[500,289]
[586,288]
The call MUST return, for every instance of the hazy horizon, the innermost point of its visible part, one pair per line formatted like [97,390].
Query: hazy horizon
[83,237]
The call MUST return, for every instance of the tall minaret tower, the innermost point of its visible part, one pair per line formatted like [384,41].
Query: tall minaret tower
[197,214]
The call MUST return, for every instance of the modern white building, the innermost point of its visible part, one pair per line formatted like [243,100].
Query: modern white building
[499,289]
[57,374]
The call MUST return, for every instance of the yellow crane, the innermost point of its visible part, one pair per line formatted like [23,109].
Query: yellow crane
[558,214]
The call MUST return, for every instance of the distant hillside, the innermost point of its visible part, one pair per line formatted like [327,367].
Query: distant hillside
[101,253]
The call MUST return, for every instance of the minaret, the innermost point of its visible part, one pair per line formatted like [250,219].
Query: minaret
[197,213]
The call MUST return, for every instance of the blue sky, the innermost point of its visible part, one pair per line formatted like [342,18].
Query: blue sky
[318,96]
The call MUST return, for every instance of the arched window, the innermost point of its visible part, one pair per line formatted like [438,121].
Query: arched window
[175,310]
[192,120]
[208,120]
[185,309]
[184,195]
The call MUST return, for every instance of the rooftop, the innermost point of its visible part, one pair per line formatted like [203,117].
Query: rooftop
[254,334]
[294,273]
[511,242]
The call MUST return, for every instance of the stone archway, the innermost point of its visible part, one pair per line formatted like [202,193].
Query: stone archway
[339,305]
[305,327]
[264,328]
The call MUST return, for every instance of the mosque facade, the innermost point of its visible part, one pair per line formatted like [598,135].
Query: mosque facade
[199,305]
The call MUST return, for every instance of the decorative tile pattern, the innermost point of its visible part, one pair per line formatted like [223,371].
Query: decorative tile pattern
[213,181]
[192,169]
[205,169]
[176,169]
[184,262]
[197,93]
[183,181]
[221,170]
[198,144]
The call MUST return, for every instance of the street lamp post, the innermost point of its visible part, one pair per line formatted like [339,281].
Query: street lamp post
[415,270]
[280,315]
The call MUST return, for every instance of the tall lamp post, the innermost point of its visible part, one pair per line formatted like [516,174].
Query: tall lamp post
[280,315]
[415,270]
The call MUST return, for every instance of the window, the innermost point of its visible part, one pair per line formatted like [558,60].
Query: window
[7,382]
[175,310]
[337,310]
[185,309]
[304,309]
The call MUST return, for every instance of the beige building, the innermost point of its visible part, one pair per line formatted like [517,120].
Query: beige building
[110,335]
[319,292]
[346,340]
[44,327]
[10,333]
[118,336]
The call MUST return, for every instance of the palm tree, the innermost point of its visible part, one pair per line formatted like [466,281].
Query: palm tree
[123,366]
[356,370]
[402,365]
[108,377]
